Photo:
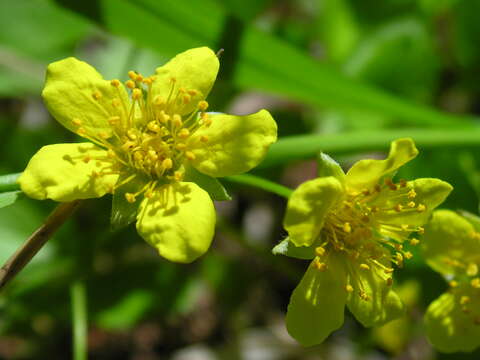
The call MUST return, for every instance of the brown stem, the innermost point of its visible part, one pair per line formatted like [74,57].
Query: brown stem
[36,241]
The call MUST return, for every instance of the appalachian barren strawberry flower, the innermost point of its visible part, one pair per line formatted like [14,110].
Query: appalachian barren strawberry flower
[354,227]
[152,144]
[451,247]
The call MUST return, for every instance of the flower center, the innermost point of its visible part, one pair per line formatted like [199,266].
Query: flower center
[362,228]
[149,133]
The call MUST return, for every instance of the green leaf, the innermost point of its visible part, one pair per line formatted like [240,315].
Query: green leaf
[8,198]
[199,23]
[211,185]
[287,248]
[308,146]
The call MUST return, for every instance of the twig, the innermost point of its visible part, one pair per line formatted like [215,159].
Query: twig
[36,241]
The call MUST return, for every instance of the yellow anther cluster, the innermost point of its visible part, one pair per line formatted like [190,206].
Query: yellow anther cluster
[149,133]
[357,228]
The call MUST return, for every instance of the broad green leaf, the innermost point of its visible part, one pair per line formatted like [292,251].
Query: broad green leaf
[258,66]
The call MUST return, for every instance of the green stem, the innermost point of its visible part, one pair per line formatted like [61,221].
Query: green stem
[79,320]
[9,182]
[264,184]
[308,146]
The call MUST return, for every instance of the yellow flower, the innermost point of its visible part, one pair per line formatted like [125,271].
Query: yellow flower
[152,144]
[452,247]
[354,226]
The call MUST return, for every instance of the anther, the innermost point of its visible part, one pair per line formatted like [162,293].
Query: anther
[136,93]
[421,230]
[403,183]
[104,135]
[97,95]
[116,103]
[365,218]
[472,269]
[475,283]
[364,267]
[139,78]
[464,300]
[320,266]
[408,255]
[184,133]
[115,83]
[414,241]
[366,192]
[158,100]
[203,105]
[421,208]
[377,188]
[453,284]
[167,163]
[81,131]
[389,281]
[181,146]
[390,184]
[186,98]
[411,204]
[398,208]
[114,120]
[347,227]
[130,197]
[87,159]
[177,120]
[130,84]
[319,251]
[404,227]
[152,126]
[203,138]
[190,155]
[364,296]
[411,194]
[349,288]
[398,247]
[192,92]
[178,175]
[77,122]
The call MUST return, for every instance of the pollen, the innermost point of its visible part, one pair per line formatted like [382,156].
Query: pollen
[414,241]
[136,93]
[349,288]
[167,163]
[184,133]
[320,266]
[130,84]
[115,83]
[203,138]
[77,122]
[97,95]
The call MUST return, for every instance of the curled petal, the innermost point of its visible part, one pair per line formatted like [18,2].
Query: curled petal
[364,174]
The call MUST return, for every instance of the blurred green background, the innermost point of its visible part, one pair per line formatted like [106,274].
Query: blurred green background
[350,74]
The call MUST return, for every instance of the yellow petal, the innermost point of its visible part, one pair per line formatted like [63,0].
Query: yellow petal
[78,97]
[383,304]
[364,174]
[448,238]
[317,304]
[60,172]
[179,221]
[195,69]
[235,144]
[307,207]
[449,328]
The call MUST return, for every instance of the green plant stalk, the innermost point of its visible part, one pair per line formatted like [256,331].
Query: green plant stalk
[36,241]
[9,182]
[79,320]
[261,183]
[308,146]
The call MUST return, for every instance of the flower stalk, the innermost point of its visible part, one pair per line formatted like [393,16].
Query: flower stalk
[36,241]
